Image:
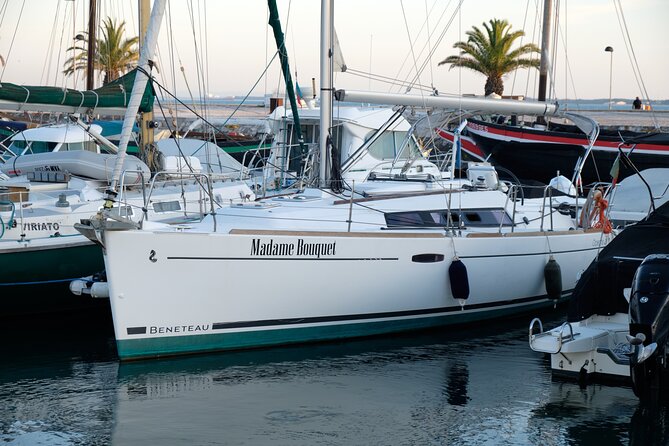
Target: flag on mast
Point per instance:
(615, 171)
(298, 92)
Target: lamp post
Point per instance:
(609, 49)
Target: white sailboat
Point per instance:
(322, 265)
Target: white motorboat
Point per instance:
(68, 148)
(597, 346)
(596, 342)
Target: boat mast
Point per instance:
(545, 50)
(327, 16)
(92, 40)
(147, 52)
(279, 38)
(146, 118)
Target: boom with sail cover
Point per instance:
(112, 98)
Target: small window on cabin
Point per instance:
(486, 217)
(404, 219)
(17, 146)
(473, 217)
(384, 146)
(70, 146)
(406, 147)
(90, 146)
(439, 218)
(42, 147)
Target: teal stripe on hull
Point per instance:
(130, 349)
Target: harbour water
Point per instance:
(61, 384)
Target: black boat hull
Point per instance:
(540, 154)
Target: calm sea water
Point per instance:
(60, 384)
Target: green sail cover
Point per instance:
(115, 94)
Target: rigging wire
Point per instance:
(429, 44)
(3, 11)
(49, 52)
(60, 45)
(266, 51)
(174, 110)
(441, 37)
(204, 119)
(632, 56)
(413, 54)
(569, 75)
(397, 75)
(434, 48)
(411, 47)
(522, 38)
(553, 66)
(565, 39)
(11, 45)
(386, 80)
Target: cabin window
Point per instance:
(90, 146)
(411, 149)
(166, 206)
(42, 146)
(440, 218)
(384, 146)
(17, 146)
(70, 146)
(473, 216)
(389, 144)
(404, 219)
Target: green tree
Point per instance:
(490, 53)
(115, 55)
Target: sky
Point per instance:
(233, 44)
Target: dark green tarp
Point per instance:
(115, 94)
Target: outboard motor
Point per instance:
(649, 325)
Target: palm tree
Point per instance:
(114, 56)
(490, 53)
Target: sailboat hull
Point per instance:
(35, 280)
(248, 290)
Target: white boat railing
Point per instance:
(202, 180)
(560, 339)
(548, 192)
(197, 177)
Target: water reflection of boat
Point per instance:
(571, 414)
(476, 386)
(416, 388)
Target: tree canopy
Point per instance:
(489, 52)
(114, 54)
